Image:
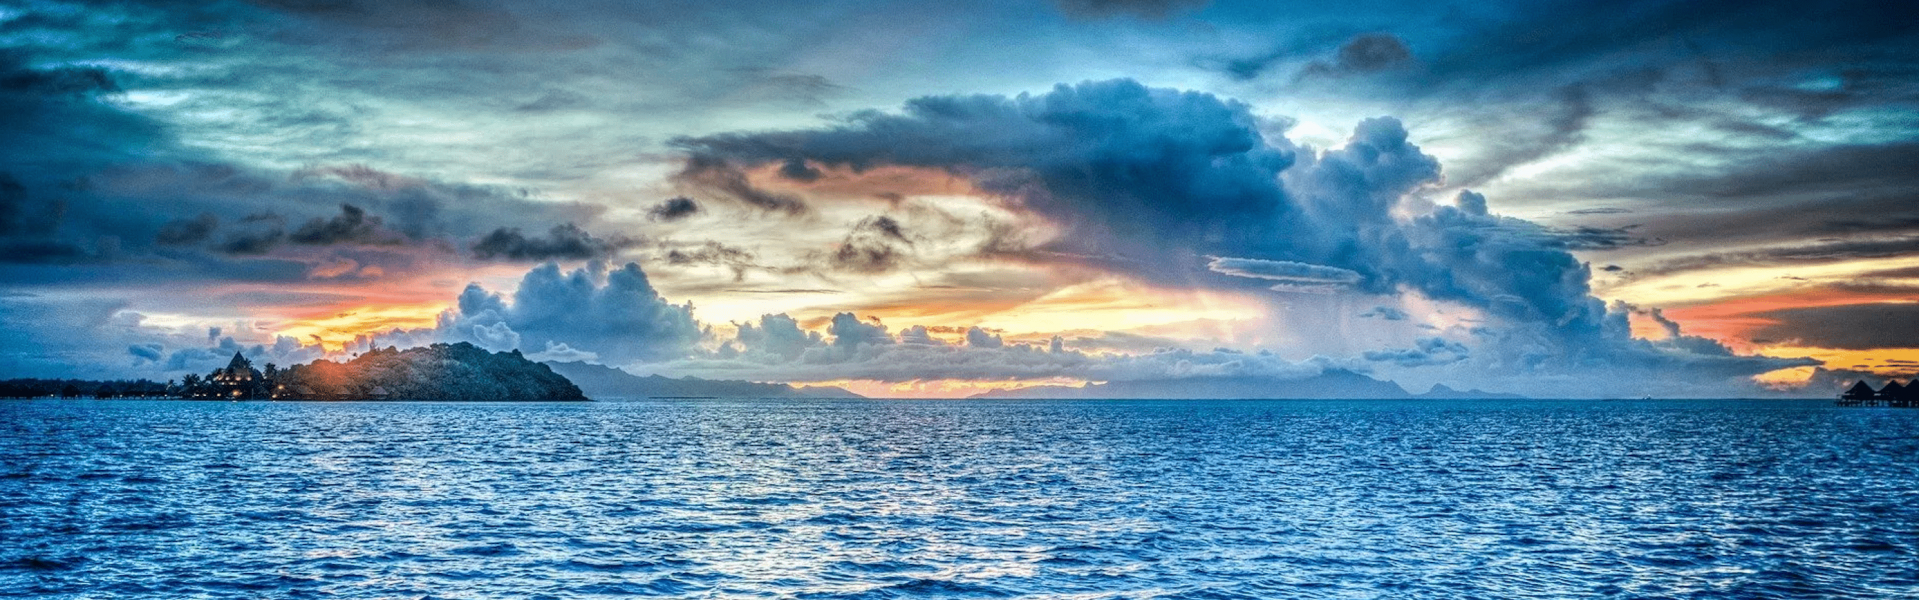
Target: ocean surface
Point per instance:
(958, 499)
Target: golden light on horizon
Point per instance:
(936, 388)
(334, 330)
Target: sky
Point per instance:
(926, 199)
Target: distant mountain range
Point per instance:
(1330, 385)
(599, 381)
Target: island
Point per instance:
(457, 372)
(604, 381)
(1333, 384)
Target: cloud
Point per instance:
(615, 315)
(563, 242)
(1364, 53)
(777, 336)
(1131, 171)
(1851, 326)
(980, 338)
(1292, 276)
(146, 352)
(1559, 127)
(1425, 352)
(715, 174)
(861, 349)
(351, 226)
(673, 209)
(918, 334)
(1144, 9)
(106, 186)
(711, 252)
(848, 331)
(1387, 313)
(183, 232)
(871, 246)
(556, 352)
(1158, 184)
(1799, 254)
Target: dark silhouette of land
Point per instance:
(82, 388)
(603, 381)
(458, 372)
(1330, 385)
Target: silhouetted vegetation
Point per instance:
(81, 388)
(460, 371)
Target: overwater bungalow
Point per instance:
(1893, 395)
(238, 381)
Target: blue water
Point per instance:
(962, 499)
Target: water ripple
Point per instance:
(1021, 499)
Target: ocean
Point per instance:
(815, 499)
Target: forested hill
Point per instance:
(461, 372)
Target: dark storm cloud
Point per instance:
(872, 246)
(182, 232)
(1554, 36)
(714, 253)
(351, 226)
(13, 200)
(1784, 199)
(1905, 273)
(1851, 169)
(1806, 254)
(262, 233)
(865, 256)
(1531, 78)
(1165, 166)
(75, 83)
(673, 209)
(47, 252)
(1152, 182)
(1850, 327)
(146, 352)
(1364, 53)
(106, 185)
(564, 242)
(253, 243)
(885, 226)
(715, 174)
(1600, 238)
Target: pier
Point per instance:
(1893, 395)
